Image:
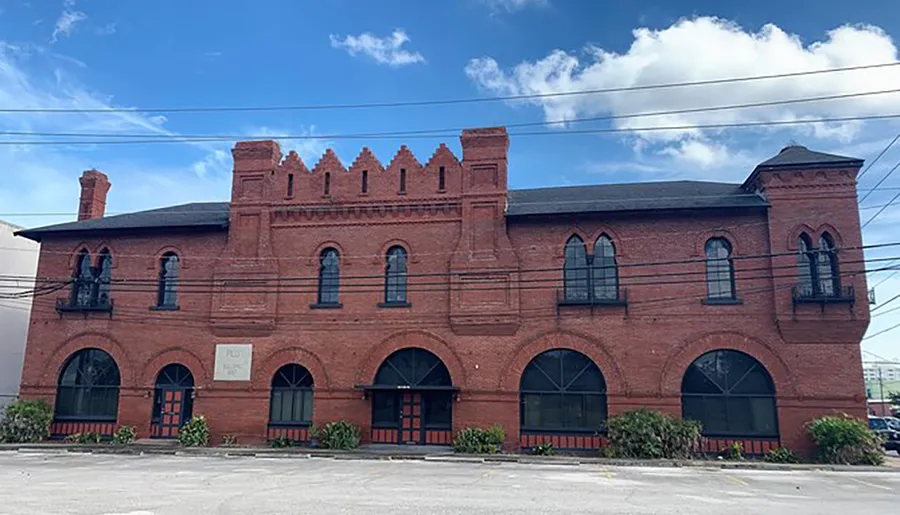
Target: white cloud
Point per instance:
(67, 21)
(387, 50)
(513, 5)
(107, 30)
(700, 49)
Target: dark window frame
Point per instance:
(167, 288)
(364, 185)
(290, 185)
(292, 383)
(819, 274)
(87, 388)
(328, 291)
(586, 277)
(720, 280)
(442, 179)
(402, 189)
(395, 277)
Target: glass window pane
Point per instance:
(575, 270)
(438, 407)
(385, 408)
(573, 416)
(307, 411)
(595, 411)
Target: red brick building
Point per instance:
(416, 299)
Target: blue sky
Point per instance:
(88, 53)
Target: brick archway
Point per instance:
(590, 347)
(172, 355)
(418, 339)
(306, 359)
(53, 365)
(694, 347)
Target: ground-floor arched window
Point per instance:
(88, 387)
(291, 402)
(564, 391)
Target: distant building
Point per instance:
(18, 263)
(889, 372)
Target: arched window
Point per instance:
(562, 390)
(329, 277)
(104, 279)
(88, 387)
(605, 272)
(576, 271)
(395, 276)
(806, 266)
(292, 396)
(166, 296)
(827, 266)
(731, 394)
(719, 270)
(82, 280)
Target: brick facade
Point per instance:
(486, 321)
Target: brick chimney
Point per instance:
(94, 187)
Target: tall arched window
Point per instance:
(731, 394)
(395, 276)
(576, 271)
(166, 295)
(291, 402)
(104, 278)
(827, 266)
(562, 390)
(605, 273)
(82, 280)
(806, 266)
(88, 387)
(719, 270)
(329, 277)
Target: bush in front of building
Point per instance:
(845, 440)
(280, 442)
(85, 438)
(195, 433)
(733, 452)
(781, 455)
(340, 435)
(475, 440)
(26, 421)
(124, 435)
(646, 434)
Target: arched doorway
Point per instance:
(173, 401)
(412, 400)
(562, 401)
(732, 395)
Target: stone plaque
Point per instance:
(233, 362)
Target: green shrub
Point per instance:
(195, 433)
(842, 439)
(645, 434)
(544, 449)
(124, 435)
(474, 440)
(339, 435)
(85, 438)
(734, 452)
(280, 442)
(781, 455)
(26, 421)
(229, 440)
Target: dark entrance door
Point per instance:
(172, 401)
(411, 427)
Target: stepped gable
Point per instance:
(293, 162)
(442, 156)
(329, 162)
(404, 158)
(366, 160)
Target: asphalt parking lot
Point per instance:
(45, 483)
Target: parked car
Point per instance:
(891, 436)
(893, 423)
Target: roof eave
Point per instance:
(38, 234)
(854, 163)
(644, 210)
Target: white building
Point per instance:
(18, 259)
(888, 372)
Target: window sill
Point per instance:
(326, 305)
(595, 302)
(722, 302)
(165, 308)
(394, 305)
(290, 424)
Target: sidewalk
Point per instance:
(396, 453)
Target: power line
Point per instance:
(883, 304)
(885, 312)
(872, 163)
(459, 129)
(565, 132)
(873, 217)
(880, 182)
(455, 101)
(891, 328)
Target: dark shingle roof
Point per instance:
(542, 201)
(185, 216)
(643, 196)
(797, 155)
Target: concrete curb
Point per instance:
(303, 453)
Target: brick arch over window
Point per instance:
(618, 242)
(828, 228)
(262, 376)
(411, 257)
(589, 346)
(420, 339)
(53, 365)
(694, 347)
(699, 249)
(178, 355)
(795, 235)
(313, 259)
